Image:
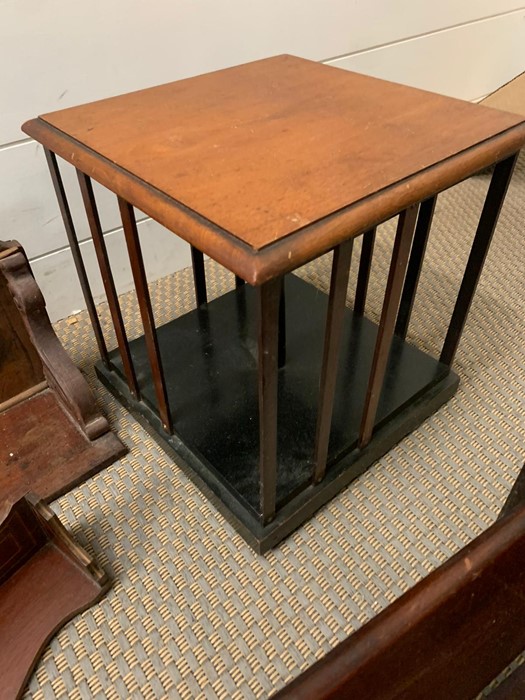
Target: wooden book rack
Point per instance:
(45, 579)
(52, 436)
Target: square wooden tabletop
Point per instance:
(268, 164)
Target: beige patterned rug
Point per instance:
(193, 612)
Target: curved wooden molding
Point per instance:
(60, 372)
(52, 435)
(46, 578)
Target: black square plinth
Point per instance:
(210, 360)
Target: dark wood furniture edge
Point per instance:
(60, 372)
(257, 267)
(449, 636)
(56, 532)
(512, 687)
(33, 526)
(516, 496)
(52, 434)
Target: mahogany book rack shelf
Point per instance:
(275, 396)
(52, 434)
(46, 578)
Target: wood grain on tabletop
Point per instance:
(266, 148)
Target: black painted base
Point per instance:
(209, 359)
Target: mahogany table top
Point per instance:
(269, 164)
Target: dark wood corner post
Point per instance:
(486, 227)
(268, 305)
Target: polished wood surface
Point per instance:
(45, 579)
(20, 365)
(246, 158)
(448, 637)
(268, 147)
(42, 448)
(52, 435)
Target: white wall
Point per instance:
(59, 53)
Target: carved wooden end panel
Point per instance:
(45, 579)
(52, 435)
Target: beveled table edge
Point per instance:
(304, 244)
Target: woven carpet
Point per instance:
(193, 612)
